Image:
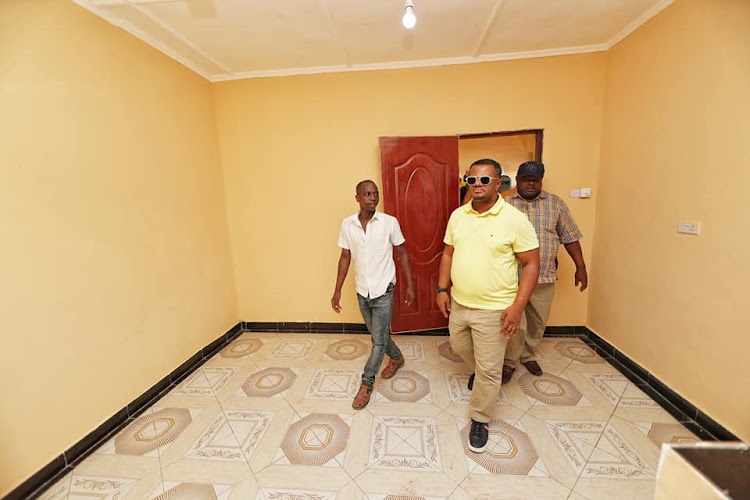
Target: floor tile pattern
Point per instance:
(269, 418)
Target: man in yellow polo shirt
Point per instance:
(484, 242)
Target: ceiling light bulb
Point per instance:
(409, 20)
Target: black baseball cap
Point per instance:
(532, 168)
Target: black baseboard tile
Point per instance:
(186, 368)
(665, 403)
(37, 483)
(561, 331)
(638, 381)
(316, 327)
(92, 440)
(632, 365)
(699, 431)
(681, 403)
(596, 348)
(214, 347)
(233, 334)
(355, 328)
(294, 327)
(139, 404)
(715, 428)
(606, 346)
(433, 332)
(261, 326)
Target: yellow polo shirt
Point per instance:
(484, 271)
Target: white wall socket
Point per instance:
(585, 192)
(575, 193)
(689, 227)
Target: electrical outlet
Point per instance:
(585, 192)
(689, 227)
(575, 193)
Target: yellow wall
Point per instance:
(293, 149)
(675, 146)
(115, 256)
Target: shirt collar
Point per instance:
(355, 218)
(542, 196)
(469, 209)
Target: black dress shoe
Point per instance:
(533, 367)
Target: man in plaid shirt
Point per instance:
(554, 225)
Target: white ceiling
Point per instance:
(232, 39)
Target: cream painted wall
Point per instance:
(675, 147)
(115, 263)
(293, 149)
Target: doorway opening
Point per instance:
(510, 149)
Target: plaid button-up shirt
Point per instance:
(551, 218)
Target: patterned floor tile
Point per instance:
(447, 352)
(105, 488)
(611, 385)
(616, 458)
(405, 386)
(633, 397)
(665, 433)
(347, 349)
(509, 452)
(550, 389)
(150, 432)
(292, 349)
(291, 494)
(578, 351)
(315, 439)
(412, 350)
(333, 384)
(232, 436)
(171, 490)
(577, 440)
(458, 388)
(404, 443)
(241, 348)
(269, 382)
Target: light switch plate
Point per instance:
(689, 227)
(575, 193)
(585, 192)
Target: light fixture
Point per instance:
(410, 19)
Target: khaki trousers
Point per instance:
(521, 347)
(475, 336)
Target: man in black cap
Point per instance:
(554, 225)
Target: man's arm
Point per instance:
(511, 317)
(344, 260)
(576, 253)
(444, 277)
(403, 259)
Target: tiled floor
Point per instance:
(270, 418)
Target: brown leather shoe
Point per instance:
(392, 367)
(507, 373)
(533, 367)
(362, 397)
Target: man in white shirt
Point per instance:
(369, 238)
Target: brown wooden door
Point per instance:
(420, 188)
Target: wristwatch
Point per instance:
(440, 290)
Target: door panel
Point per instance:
(420, 188)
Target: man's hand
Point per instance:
(335, 301)
(410, 295)
(511, 319)
(444, 303)
(582, 278)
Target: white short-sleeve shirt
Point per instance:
(372, 251)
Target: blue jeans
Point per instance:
(377, 315)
